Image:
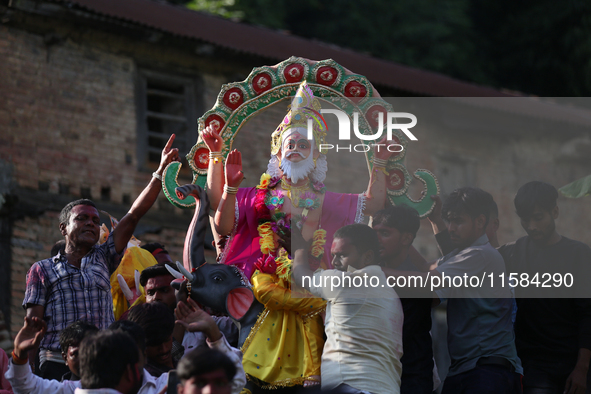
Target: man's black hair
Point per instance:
(203, 360)
(133, 329)
(154, 271)
(65, 213)
(156, 319)
(361, 236)
(535, 194)
(151, 247)
(75, 333)
(401, 217)
(470, 200)
(104, 358)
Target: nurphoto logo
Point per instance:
(345, 131)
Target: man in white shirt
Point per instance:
(363, 316)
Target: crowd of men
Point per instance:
(501, 338)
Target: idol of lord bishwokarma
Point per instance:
(285, 345)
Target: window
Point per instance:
(166, 104)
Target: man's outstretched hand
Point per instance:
(169, 154)
(194, 319)
(29, 337)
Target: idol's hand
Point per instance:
(234, 174)
(435, 215)
(381, 151)
(212, 139)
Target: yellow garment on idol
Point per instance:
(135, 258)
(285, 345)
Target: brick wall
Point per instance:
(68, 121)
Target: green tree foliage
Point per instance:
(537, 46)
(540, 47)
(434, 35)
(221, 8)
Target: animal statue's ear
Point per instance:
(238, 302)
(181, 286)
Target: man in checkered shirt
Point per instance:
(75, 284)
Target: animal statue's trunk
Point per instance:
(194, 249)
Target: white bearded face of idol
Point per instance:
(298, 158)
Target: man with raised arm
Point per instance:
(74, 284)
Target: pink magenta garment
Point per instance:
(243, 248)
(5, 387)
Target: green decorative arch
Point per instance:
(266, 86)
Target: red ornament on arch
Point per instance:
(293, 73)
(233, 98)
(261, 83)
(373, 113)
(355, 89)
(327, 75)
(216, 121)
(396, 179)
(201, 158)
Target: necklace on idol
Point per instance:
(268, 203)
(305, 196)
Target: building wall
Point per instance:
(68, 121)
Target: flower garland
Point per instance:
(318, 241)
(266, 200)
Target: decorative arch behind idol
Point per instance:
(239, 102)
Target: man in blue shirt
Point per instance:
(480, 332)
(480, 336)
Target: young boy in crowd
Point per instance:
(70, 340)
(205, 370)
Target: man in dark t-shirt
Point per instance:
(396, 228)
(553, 324)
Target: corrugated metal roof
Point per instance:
(280, 46)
